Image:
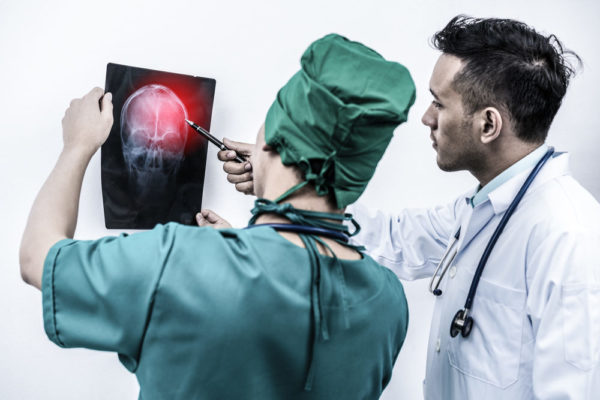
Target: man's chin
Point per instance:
(447, 166)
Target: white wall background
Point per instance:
(53, 51)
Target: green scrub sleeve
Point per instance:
(98, 294)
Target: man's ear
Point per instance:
(490, 124)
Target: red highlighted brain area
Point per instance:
(153, 124)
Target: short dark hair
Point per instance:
(508, 64)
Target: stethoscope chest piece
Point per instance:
(461, 323)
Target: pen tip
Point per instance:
(188, 121)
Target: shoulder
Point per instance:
(190, 232)
(223, 245)
(562, 217)
(558, 202)
(563, 206)
(390, 280)
(391, 303)
(563, 220)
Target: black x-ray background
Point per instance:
(181, 199)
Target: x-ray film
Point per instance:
(153, 163)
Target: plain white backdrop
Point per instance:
(53, 51)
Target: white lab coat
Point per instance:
(536, 312)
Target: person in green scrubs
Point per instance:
(254, 313)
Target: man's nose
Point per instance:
(429, 118)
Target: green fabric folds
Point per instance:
(329, 221)
(336, 116)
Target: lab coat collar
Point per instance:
(527, 162)
(474, 219)
(501, 197)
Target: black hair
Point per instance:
(508, 65)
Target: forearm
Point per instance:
(53, 215)
(410, 243)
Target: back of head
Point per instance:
(508, 65)
(336, 116)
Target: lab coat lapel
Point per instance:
(475, 221)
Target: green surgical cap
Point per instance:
(336, 116)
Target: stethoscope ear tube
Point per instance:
(461, 321)
(434, 284)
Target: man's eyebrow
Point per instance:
(433, 93)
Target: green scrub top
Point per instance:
(199, 313)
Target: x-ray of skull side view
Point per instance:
(153, 164)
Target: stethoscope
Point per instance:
(462, 322)
(305, 229)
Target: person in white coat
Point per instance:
(535, 328)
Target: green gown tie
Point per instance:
(321, 220)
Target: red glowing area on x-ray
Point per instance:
(153, 119)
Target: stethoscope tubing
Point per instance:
(462, 322)
(434, 284)
(305, 229)
(510, 210)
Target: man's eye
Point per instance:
(436, 104)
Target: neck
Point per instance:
(279, 179)
(305, 199)
(500, 159)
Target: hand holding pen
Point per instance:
(213, 139)
(236, 158)
(239, 174)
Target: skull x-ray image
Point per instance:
(153, 135)
(152, 163)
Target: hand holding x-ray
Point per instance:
(87, 123)
(210, 218)
(238, 174)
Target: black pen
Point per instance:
(213, 140)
